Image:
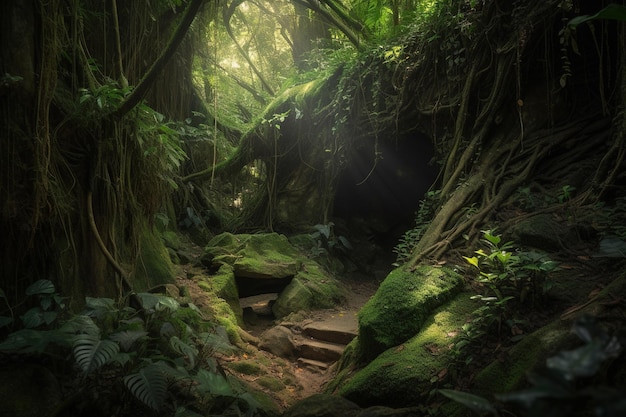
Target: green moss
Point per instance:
(189, 317)
(325, 289)
(153, 266)
(171, 239)
(267, 255)
(401, 375)
(222, 312)
(224, 244)
(398, 309)
(271, 383)
(304, 242)
(246, 367)
(530, 353)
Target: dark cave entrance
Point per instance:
(380, 189)
(256, 297)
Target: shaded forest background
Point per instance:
(417, 124)
(122, 118)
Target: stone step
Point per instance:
(318, 350)
(338, 332)
(313, 365)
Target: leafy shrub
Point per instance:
(571, 384)
(508, 275)
(423, 217)
(146, 351)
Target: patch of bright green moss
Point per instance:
(246, 367)
(401, 375)
(154, 266)
(271, 383)
(325, 289)
(403, 301)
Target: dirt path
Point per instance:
(285, 380)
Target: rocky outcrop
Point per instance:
(268, 263)
(401, 305)
(314, 344)
(402, 375)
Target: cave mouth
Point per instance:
(257, 295)
(381, 187)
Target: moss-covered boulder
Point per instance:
(154, 266)
(402, 375)
(267, 255)
(311, 288)
(223, 285)
(511, 372)
(262, 261)
(531, 353)
(399, 308)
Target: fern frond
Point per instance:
(91, 352)
(127, 338)
(213, 383)
(149, 385)
(184, 349)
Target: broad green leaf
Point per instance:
(184, 349)
(214, 383)
(91, 352)
(33, 318)
(472, 261)
(127, 338)
(494, 239)
(582, 362)
(149, 385)
(611, 12)
(42, 286)
(471, 401)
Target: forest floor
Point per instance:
(580, 278)
(292, 380)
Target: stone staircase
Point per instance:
(320, 343)
(315, 343)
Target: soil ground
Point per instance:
(286, 381)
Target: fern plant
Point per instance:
(150, 352)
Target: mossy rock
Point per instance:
(222, 312)
(224, 286)
(270, 255)
(267, 255)
(246, 367)
(401, 305)
(402, 375)
(311, 288)
(154, 266)
(511, 373)
(271, 383)
(171, 240)
(531, 353)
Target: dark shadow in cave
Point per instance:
(256, 297)
(378, 194)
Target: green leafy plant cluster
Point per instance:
(423, 217)
(328, 242)
(160, 352)
(507, 275)
(158, 139)
(574, 382)
(529, 200)
(510, 273)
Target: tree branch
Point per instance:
(148, 79)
